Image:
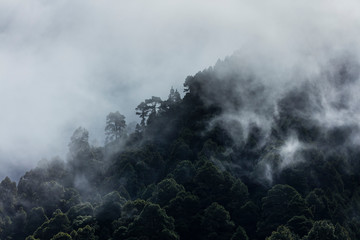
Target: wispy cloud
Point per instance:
(65, 63)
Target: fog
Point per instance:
(65, 64)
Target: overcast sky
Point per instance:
(66, 63)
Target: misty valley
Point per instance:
(240, 156)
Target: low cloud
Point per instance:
(65, 64)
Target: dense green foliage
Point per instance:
(182, 175)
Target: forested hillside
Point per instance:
(237, 157)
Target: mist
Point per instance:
(65, 64)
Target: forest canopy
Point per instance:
(234, 158)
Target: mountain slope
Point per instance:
(238, 157)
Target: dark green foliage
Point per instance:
(135, 169)
(319, 204)
(180, 151)
(216, 223)
(152, 223)
(282, 233)
(238, 195)
(184, 172)
(184, 208)
(8, 192)
(166, 190)
(35, 218)
(110, 209)
(296, 178)
(58, 223)
(71, 198)
(240, 234)
(354, 229)
(133, 208)
(81, 221)
(61, 236)
(279, 206)
(247, 216)
(18, 224)
(31, 238)
(83, 209)
(193, 169)
(324, 230)
(85, 233)
(341, 233)
(209, 181)
(300, 225)
(50, 195)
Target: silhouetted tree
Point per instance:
(115, 126)
(143, 111)
(79, 144)
(173, 98)
(147, 110)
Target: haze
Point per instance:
(65, 64)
